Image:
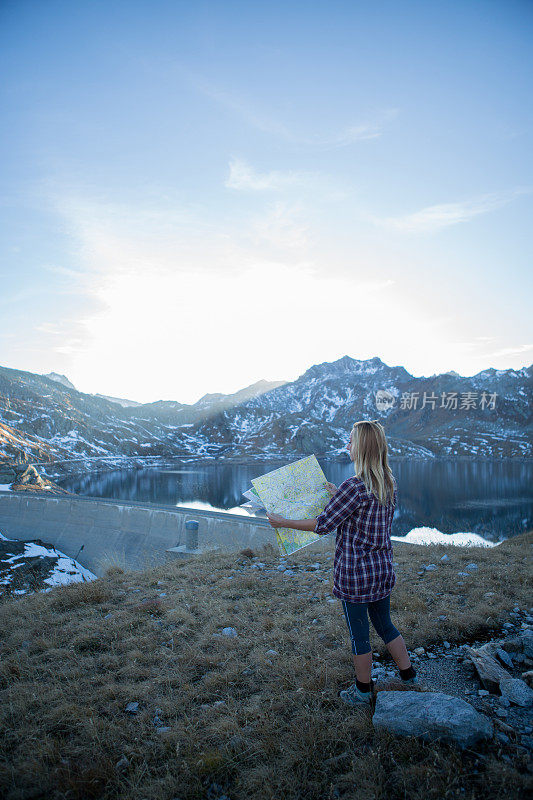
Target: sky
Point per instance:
(199, 195)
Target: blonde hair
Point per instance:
(369, 451)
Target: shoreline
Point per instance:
(132, 462)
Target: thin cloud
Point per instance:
(243, 177)
(512, 351)
(281, 226)
(369, 128)
(434, 218)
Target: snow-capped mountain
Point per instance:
(486, 415)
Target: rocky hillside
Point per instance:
(44, 420)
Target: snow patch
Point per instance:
(433, 536)
(65, 570)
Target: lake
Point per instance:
(491, 498)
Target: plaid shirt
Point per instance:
(362, 570)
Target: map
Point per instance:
(296, 491)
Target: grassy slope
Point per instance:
(67, 674)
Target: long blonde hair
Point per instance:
(369, 452)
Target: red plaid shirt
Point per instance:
(362, 570)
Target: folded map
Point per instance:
(295, 491)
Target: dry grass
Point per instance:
(67, 673)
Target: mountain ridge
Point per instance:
(42, 419)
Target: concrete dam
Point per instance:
(129, 533)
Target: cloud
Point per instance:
(281, 226)
(434, 218)
(361, 130)
(242, 176)
(512, 351)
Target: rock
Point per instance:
(430, 567)
(462, 574)
(122, 764)
(483, 692)
(489, 671)
(132, 708)
(229, 632)
(431, 716)
(502, 656)
(527, 643)
(528, 677)
(517, 692)
(504, 726)
(445, 557)
(488, 594)
(272, 653)
(446, 644)
(419, 651)
(513, 645)
(471, 566)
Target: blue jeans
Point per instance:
(357, 620)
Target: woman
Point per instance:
(361, 510)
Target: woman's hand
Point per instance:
(276, 521)
(332, 489)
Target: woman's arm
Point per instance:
(298, 524)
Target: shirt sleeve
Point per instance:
(342, 505)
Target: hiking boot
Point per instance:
(355, 697)
(410, 681)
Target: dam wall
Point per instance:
(131, 534)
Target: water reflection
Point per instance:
(491, 498)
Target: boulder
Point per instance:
(517, 692)
(527, 643)
(489, 671)
(528, 677)
(431, 716)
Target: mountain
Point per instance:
(43, 420)
(119, 400)
(60, 379)
(485, 415)
(315, 413)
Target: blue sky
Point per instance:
(199, 195)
